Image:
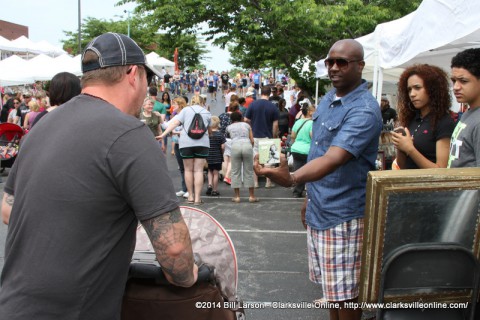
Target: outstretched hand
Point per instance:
(279, 175)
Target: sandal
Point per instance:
(252, 200)
(198, 203)
(190, 201)
(236, 200)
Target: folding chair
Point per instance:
(429, 270)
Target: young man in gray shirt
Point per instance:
(465, 142)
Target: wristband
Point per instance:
(294, 179)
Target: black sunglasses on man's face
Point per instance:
(340, 62)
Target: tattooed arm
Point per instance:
(173, 247)
(7, 204)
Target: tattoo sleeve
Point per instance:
(171, 240)
(7, 204)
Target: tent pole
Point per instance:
(380, 85)
(316, 93)
(375, 75)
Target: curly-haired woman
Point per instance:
(423, 108)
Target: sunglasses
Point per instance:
(340, 62)
(148, 72)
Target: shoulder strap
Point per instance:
(298, 131)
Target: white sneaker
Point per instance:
(185, 195)
(180, 193)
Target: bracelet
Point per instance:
(294, 179)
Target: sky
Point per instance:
(47, 19)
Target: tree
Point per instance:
(274, 33)
(146, 35)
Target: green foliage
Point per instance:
(145, 34)
(273, 33)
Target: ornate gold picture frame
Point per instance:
(415, 206)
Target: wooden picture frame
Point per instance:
(415, 206)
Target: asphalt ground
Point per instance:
(270, 243)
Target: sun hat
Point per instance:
(249, 93)
(115, 49)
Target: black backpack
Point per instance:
(197, 128)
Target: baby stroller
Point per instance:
(149, 296)
(10, 135)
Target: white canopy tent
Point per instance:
(17, 71)
(14, 71)
(160, 62)
(25, 45)
(6, 44)
(432, 34)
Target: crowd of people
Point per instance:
(187, 81)
(98, 189)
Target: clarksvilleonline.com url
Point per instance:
(328, 305)
(407, 305)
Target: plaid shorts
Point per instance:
(334, 258)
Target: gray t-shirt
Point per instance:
(465, 142)
(239, 132)
(83, 177)
(185, 117)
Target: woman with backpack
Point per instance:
(194, 144)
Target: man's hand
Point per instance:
(279, 175)
(303, 211)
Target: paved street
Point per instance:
(270, 243)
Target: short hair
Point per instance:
(196, 100)
(33, 106)
(233, 106)
(148, 99)
(63, 87)
(469, 60)
(236, 116)
(241, 100)
(180, 101)
(266, 90)
(40, 94)
(214, 122)
(152, 91)
(109, 75)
